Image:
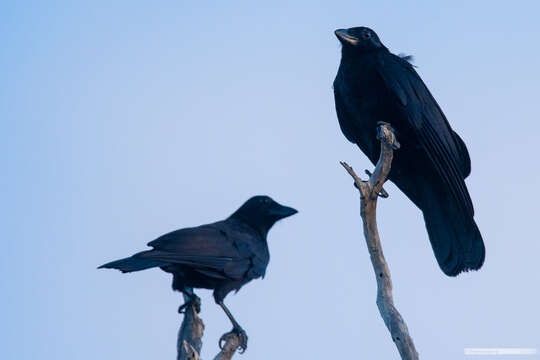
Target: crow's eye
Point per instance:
(266, 200)
(366, 35)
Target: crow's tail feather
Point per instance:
(455, 238)
(131, 264)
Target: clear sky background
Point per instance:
(120, 121)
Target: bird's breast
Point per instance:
(360, 88)
(360, 98)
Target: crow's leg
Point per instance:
(237, 329)
(190, 300)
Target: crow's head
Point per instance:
(262, 212)
(359, 39)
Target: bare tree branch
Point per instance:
(370, 190)
(190, 335)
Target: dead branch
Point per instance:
(190, 335)
(370, 190)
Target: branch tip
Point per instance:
(357, 180)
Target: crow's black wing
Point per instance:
(445, 201)
(445, 150)
(210, 248)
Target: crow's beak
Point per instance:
(344, 37)
(283, 211)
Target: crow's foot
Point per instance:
(379, 123)
(395, 144)
(381, 193)
(242, 339)
(194, 301)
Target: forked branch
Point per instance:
(370, 190)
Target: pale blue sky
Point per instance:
(123, 121)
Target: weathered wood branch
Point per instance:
(370, 190)
(189, 342)
(190, 335)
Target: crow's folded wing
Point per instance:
(209, 249)
(424, 118)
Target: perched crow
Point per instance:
(222, 256)
(373, 85)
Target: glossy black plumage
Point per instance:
(222, 256)
(373, 85)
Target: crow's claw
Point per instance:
(381, 193)
(182, 308)
(242, 339)
(195, 301)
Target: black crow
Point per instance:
(222, 256)
(373, 85)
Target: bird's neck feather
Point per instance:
(351, 54)
(261, 226)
